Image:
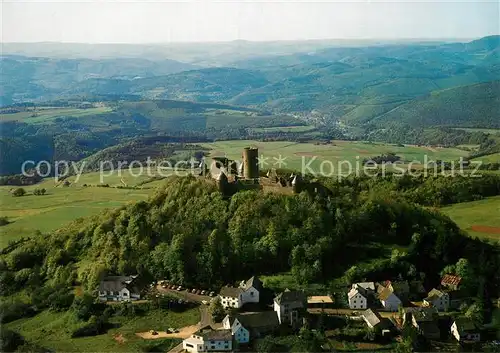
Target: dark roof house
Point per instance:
(289, 296)
(232, 292)
(257, 323)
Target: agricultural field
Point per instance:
(53, 330)
(62, 204)
(299, 128)
(490, 158)
(478, 218)
(298, 154)
(48, 114)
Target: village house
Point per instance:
(401, 289)
(424, 320)
(320, 301)
(207, 339)
(437, 299)
(250, 325)
(290, 306)
(374, 320)
(357, 298)
(236, 297)
(451, 282)
(119, 288)
(464, 330)
(389, 300)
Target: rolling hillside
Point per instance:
(467, 106)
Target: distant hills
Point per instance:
(322, 83)
(466, 106)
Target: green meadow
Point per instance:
(59, 206)
(478, 218)
(53, 330)
(298, 154)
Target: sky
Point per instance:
(161, 21)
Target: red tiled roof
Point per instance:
(451, 280)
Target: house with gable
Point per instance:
(389, 300)
(207, 339)
(464, 329)
(437, 299)
(236, 297)
(247, 326)
(357, 298)
(424, 320)
(290, 307)
(120, 288)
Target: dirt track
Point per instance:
(184, 332)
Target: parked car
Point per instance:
(204, 302)
(193, 291)
(202, 292)
(198, 291)
(179, 288)
(211, 294)
(153, 332)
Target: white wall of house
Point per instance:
(198, 344)
(277, 309)
(287, 313)
(392, 303)
(240, 333)
(192, 345)
(250, 295)
(357, 301)
(230, 302)
(123, 294)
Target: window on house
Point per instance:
(212, 347)
(117, 293)
(189, 345)
(125, 294)
(251, 294)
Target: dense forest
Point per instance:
(191, 233)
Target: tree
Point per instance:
(19, 192)
(41, 191)
(216, 310)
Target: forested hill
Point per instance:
(190, 233)
(465, 106)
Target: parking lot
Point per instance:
(185, 293)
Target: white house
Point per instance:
(240, 333)
(437, 299)
(465, 330)
(389, 300)
(119, 288)
(209, 340)
(289, 306)
(236, 297)
(357, 298)
(247, 326)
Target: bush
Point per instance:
(13, 311)
(4, 221)
(41, 191)
(19, 192)
(96, 326)
(10, 340)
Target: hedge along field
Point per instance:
(297, 154)
(478, 218)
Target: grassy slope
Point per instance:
(336, 152)
(53, 330)
(60, 205)
(484, 212)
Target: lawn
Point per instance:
(478, 218)
(337, 154)
(489, 158)
(59, 206)
(53, 330)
